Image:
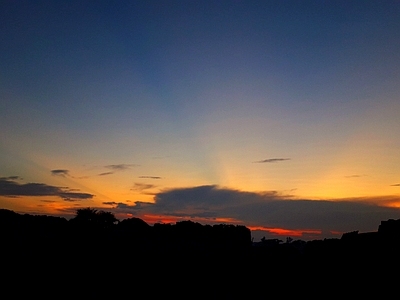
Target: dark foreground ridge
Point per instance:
(95, 245)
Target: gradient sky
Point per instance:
(282, 116)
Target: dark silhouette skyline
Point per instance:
(94, 228)
(94, 249)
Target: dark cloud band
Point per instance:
(268, 209)
(11, 188)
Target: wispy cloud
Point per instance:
(120, 167)
(106, 173)
(397, 184)
(11, 188)
(142, 187)
(271, 160)
(150, 177)
(126, 208)
(110, 203)
(117, 168)
(11, 178)
(60, 172)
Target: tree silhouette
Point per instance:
(92, 218)
(106, 219)
(85, 215)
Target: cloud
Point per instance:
(142, 186)
(69, 199)
(11, 188)
(120, 208)
(150, 177)
(11, 178)
(106, 173)
(271, 160)
(268, 209)
(116, 168)
(120, 167)
(138, 205)
(60, 172)
(110, 203)
(397, 184)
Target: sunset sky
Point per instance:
(282, 116)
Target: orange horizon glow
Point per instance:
(152, 219)
(286, 232)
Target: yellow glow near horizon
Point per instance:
(365, 165)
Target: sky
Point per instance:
(282, 116)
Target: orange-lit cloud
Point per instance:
(285, 232)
